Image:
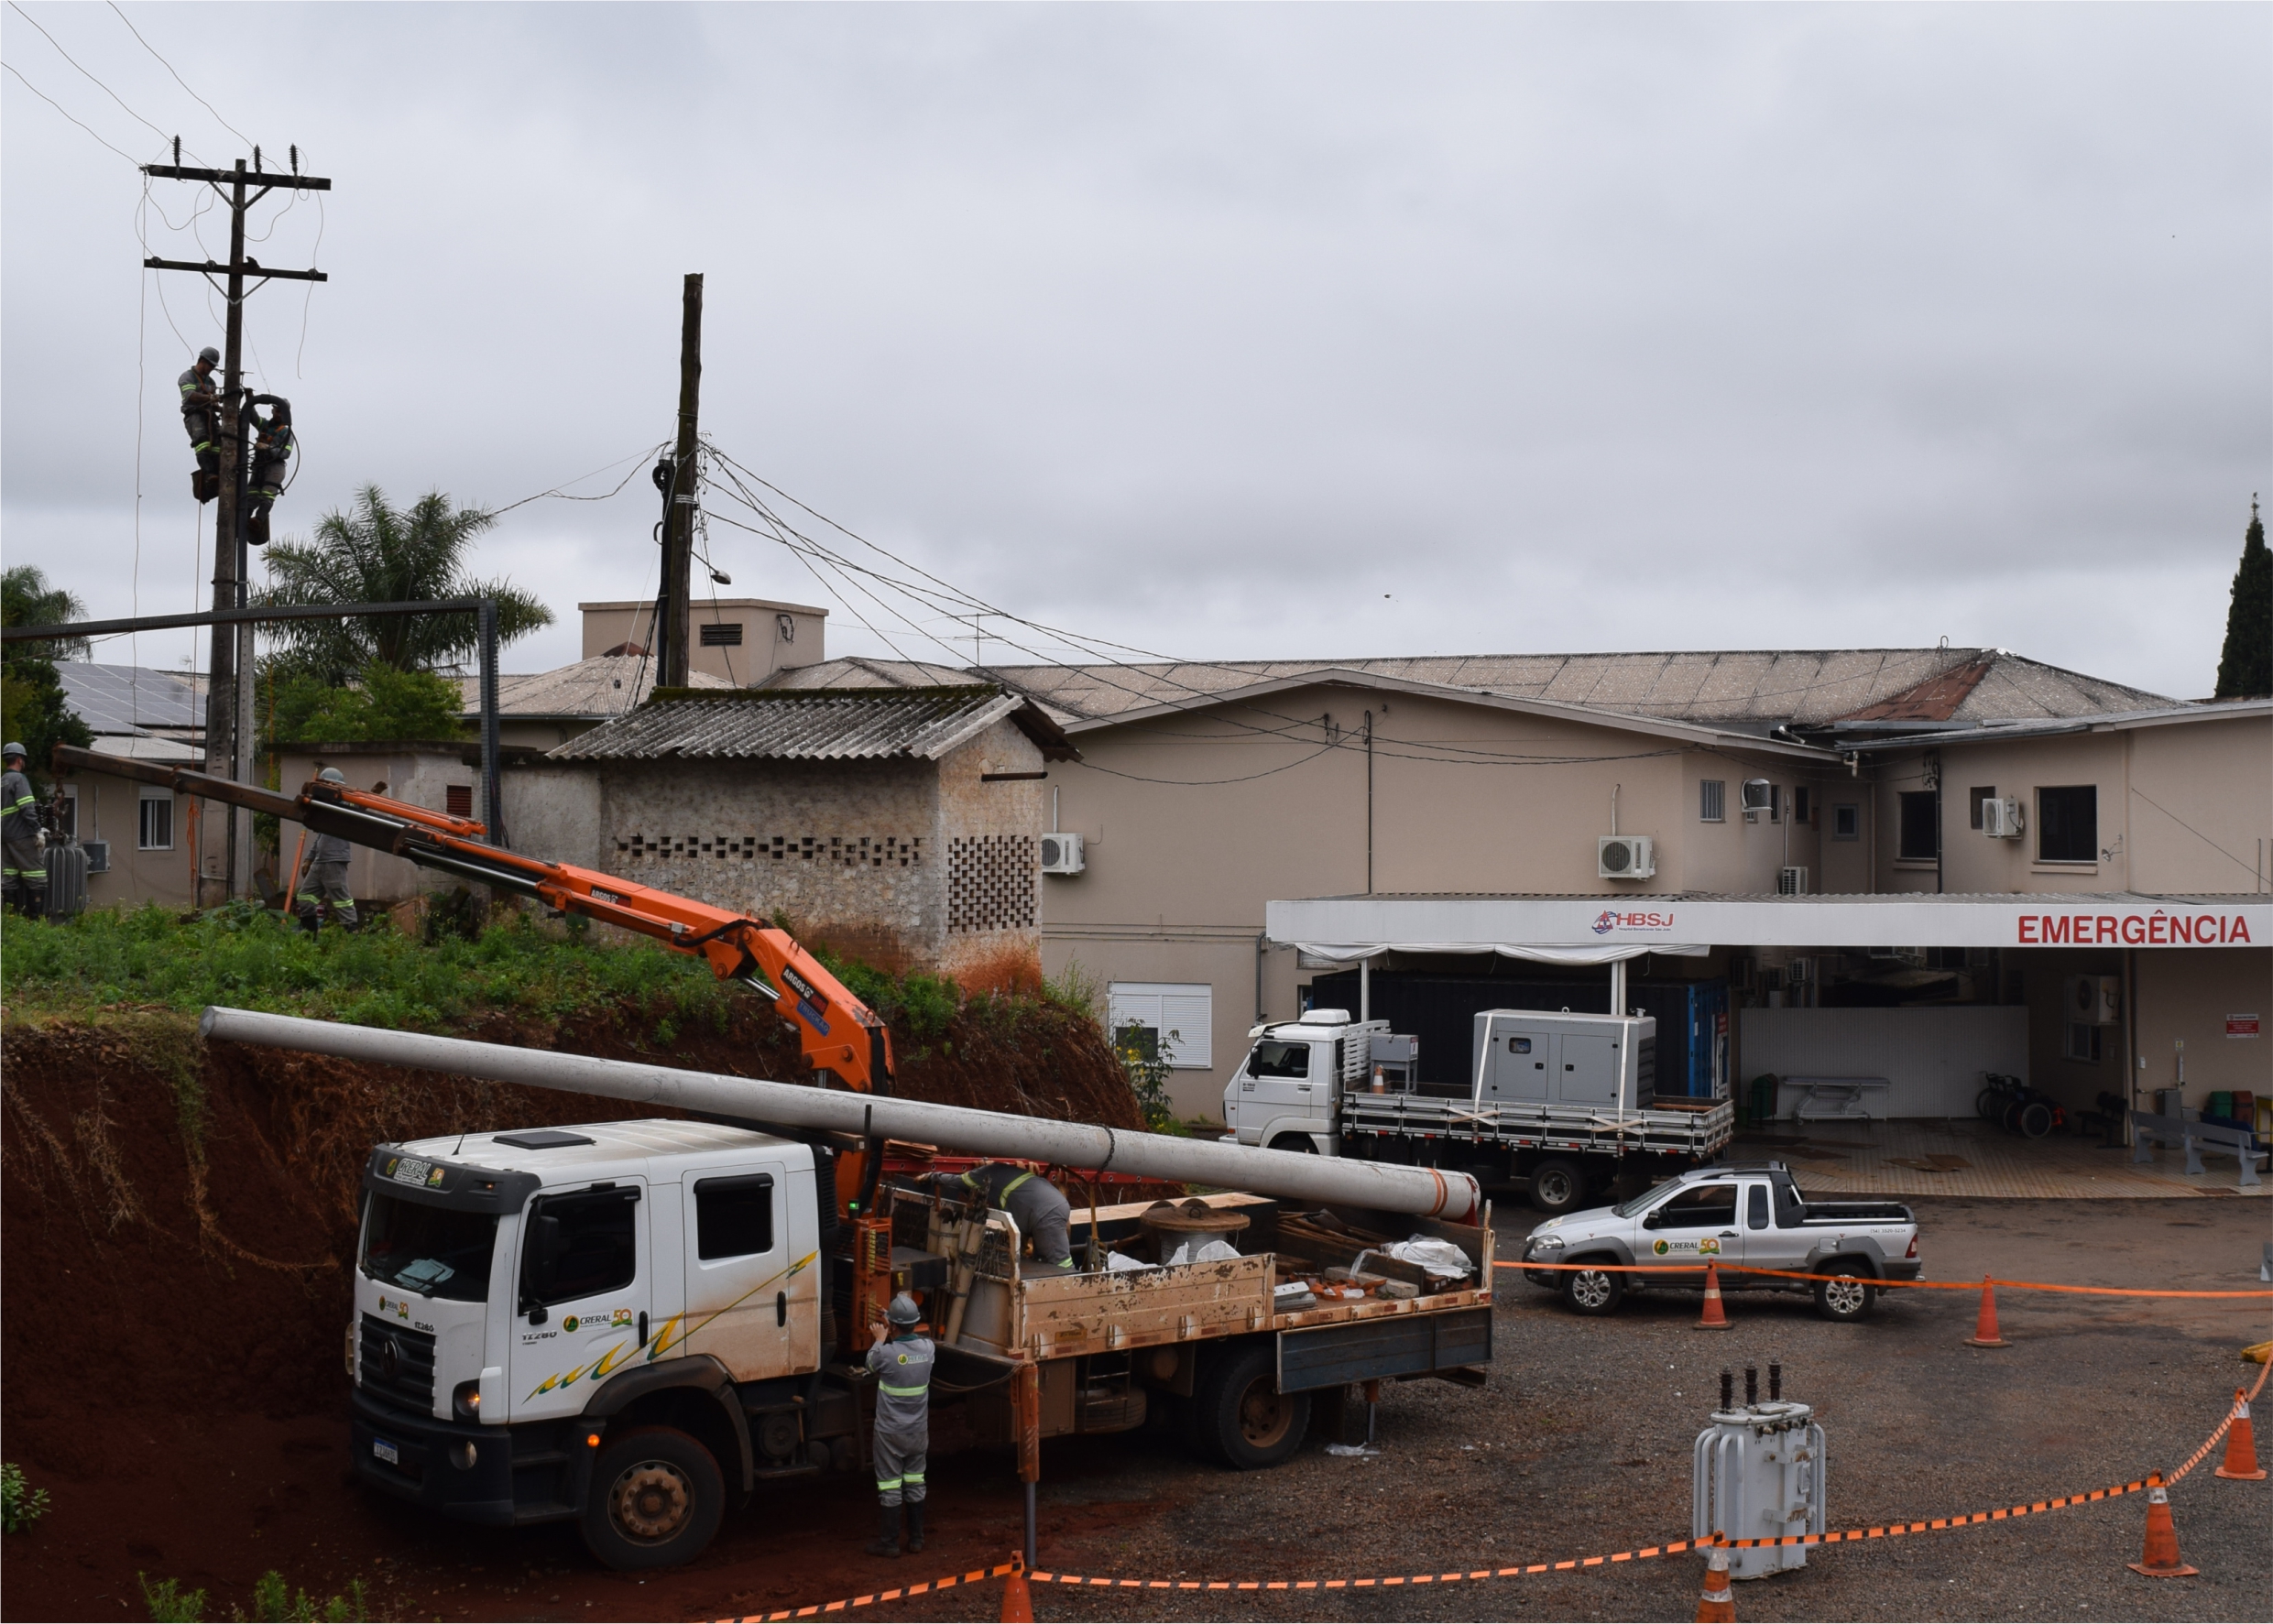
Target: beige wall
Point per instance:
(2201, 815)
(1193, 824)
(109, 809)
(418, 774)
(2185, 995)
(762, 651)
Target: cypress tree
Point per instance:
(2246, 668)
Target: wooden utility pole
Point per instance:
(229, 725)
(675, 624)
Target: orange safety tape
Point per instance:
(821, 1609)
(1849, 1536)
(1929, 1285)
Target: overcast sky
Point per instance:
(1225, 331)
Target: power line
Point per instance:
(90, 78)
(635, 458)
(51, 102)
(184, 83)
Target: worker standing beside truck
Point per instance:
(327, 876)
(27, 869)
(1038, 1207)
(902, 1360)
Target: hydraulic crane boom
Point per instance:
(839, 1034)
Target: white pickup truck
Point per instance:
(1554, 1103)
(1752, 1214)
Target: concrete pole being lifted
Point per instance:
(1424, 1191)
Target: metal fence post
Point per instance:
(493, 796)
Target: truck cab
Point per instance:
(1287, 1094)
(525, 1299)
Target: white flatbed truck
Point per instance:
(1555, 1103)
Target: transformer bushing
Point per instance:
(1759, 1474)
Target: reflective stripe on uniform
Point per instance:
(903, 1392)
(912, 1478)
(884, 1483)
(1014, 1183)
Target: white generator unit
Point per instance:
(1759, 1475)
(1624, 856)
(1061, 854)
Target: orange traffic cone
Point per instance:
(1714, 1604)
(2241, 1444)
(1018, 1604)
(1715, 1318)
(1985, 1328)
(2160, 1559)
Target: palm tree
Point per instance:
(378, 553)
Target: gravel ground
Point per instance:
(1581, 1447)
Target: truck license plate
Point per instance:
(385, 1452)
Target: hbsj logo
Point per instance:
(1605, 922)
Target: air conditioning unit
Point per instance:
(2095, 1000)
(98, 855)
(1061, 854)
(2001, 818)
(1791, 882)
(1759, 796)
(1626, 857)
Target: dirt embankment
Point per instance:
(178, 1223)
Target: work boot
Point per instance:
(915, 1526)
(887, 1539)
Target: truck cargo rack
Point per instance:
(1530, 1124)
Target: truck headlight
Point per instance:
(466, 1399)
(464, 1453)
(1543, 1244)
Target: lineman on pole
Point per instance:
(327, 876)
(271, 439)
(21, 864)
(903, 1363)
(1038, 1207)
(200, 416)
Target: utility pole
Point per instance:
(675, 624)
(229, 723)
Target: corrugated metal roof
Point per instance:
(852, 724)
(603, 685)
(1748, 690)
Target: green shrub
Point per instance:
(1147, 1066)
(21, 1505)
(274, 1602)
(170, 1604)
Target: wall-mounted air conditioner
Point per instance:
(98, 855)
(2001, 817)
(1624, 856)
(1061, 854)
(1759, 797)
(2095, 1000)
(1791, 882)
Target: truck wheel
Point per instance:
(1557, 1185)
(1849, 1297)
(1297, 1142)
(1240, 1417)
(655, 1502)
(1594, 1291)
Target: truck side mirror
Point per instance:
(543, 1264)
(1655, 1221)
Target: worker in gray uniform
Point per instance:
(21, 864)
(327, 875)
(1038, 1207)
(201, 416)
(271, 439)
(903, 1363)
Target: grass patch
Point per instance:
(154, 960)
(20, 1504)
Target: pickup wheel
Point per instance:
(1849, 1297)
(1240, 1416)
(1557, 1185)
(656, 1501)
(1594, 1291)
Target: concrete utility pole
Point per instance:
(229, 723)
(675, 624)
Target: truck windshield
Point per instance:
(1275, 1059)
(429, 1250)
(1628, 1209)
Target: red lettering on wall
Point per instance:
(2107, 927)
(2028, 928)
(2182, 929)
(2055, 928)
(2134, 929)
(2241, 930)
(2206, 929)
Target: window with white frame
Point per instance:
(1712, 801)
(1173, 1020)
(155, 833)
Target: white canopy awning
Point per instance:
(1558, 930)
